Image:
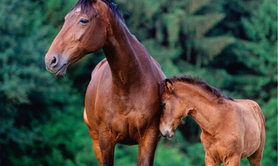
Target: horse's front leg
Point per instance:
(107, 147)
(95, 139)
(147, 146)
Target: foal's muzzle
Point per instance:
(167, 133)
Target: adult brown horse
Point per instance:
(231, 129)
(122, 103)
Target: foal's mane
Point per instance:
(193, 81)
(86, 6)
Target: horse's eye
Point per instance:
(163, 105)
(83, 21)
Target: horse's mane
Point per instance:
(86, 6)
(194, 81)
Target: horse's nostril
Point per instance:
(167, 134)
(53, 61)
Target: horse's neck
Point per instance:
(202, 119)
(202, 109)
(125, 55)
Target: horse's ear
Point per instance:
(93, 1)
(169, 85)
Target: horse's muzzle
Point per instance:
(55, 66)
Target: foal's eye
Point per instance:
(83, 21)
(162, 105)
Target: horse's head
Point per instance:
(84, 31)
(172, 109)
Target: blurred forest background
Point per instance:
(232, 44)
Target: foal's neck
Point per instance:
(125, 55)
(203, 108)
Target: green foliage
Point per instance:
(177, 25)
(252, 60)
(126, 155)
(54, 14)
(270, 150)
(179, 152)
(70, 142)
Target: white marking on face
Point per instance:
(78, 10)
(164, 128)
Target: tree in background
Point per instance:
(174, 31)
(251, 60)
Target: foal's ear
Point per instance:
(169, 85)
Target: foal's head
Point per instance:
(84, 31)
(179, 97)
(172, 108)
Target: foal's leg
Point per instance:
(210, 161)
(256, 158)
(147, 146)
(232, 161)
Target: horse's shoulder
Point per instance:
(98, 66)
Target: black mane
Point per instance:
(195, 81)
(86, 6)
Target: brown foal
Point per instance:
(231, 129)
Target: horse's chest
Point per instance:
(127, 122)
